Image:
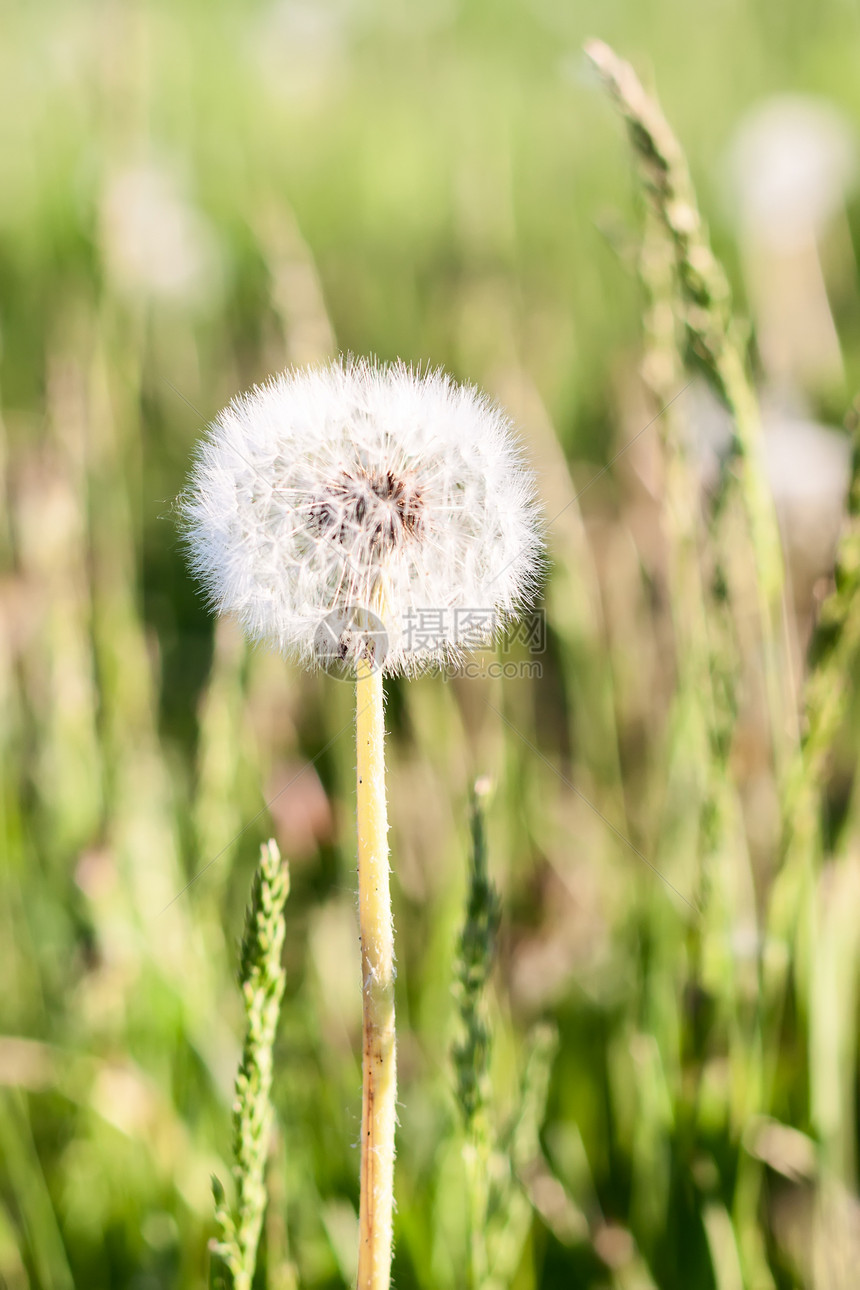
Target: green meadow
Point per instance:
(647, 1079)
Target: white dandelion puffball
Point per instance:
(357, 509)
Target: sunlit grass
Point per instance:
(435, 188)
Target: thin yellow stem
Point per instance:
(379, 1069)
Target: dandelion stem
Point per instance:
(379, 1071)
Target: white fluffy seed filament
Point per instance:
(376, 510)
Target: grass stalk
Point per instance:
(471, 1052)
(718, 340)
(262, 980)
(827, 695)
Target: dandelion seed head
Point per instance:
(369, 496)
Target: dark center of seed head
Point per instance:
(379, 506)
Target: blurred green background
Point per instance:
(192, 196)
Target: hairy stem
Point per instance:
(379, 1069)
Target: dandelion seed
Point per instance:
(360, 497)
